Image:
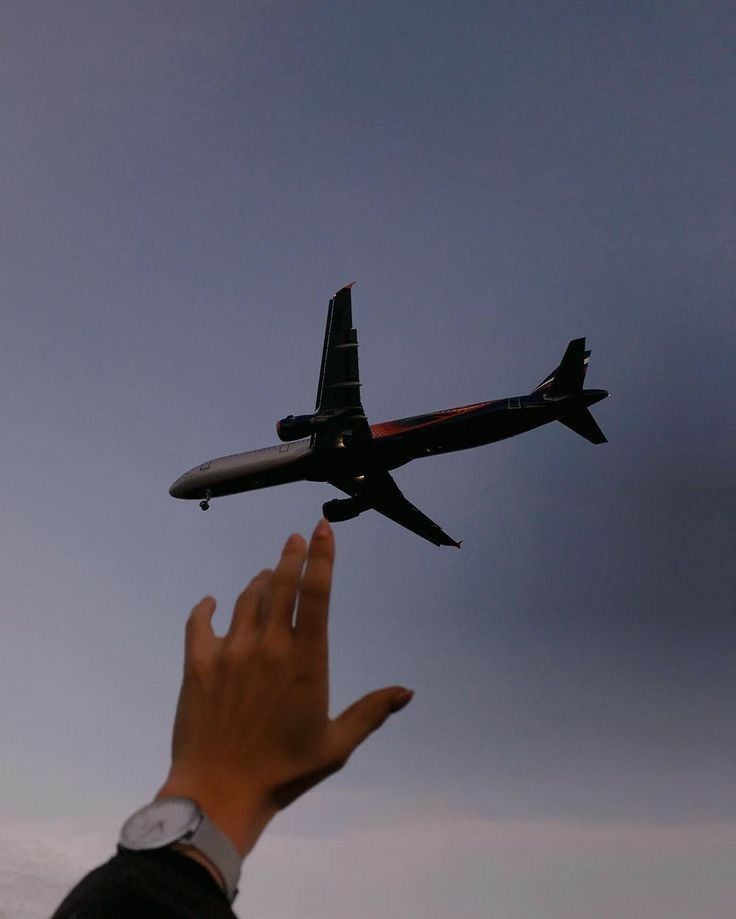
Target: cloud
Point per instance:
(431, 865)
(427, 867)
(38, 866)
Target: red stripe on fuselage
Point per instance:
(402, 425)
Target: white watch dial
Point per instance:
(160, 823)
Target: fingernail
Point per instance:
(322, 530)
(401, 700)
(293, 541)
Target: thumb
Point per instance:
(366, 715)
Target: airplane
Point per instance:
(336, 444)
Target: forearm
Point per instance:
(176, 881)
(160, 884)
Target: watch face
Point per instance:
(160, 823)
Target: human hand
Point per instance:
(252, 729)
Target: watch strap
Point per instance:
(215, 845)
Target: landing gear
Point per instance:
(205, 505)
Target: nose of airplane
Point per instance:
(178, 488)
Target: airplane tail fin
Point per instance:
(568, 378)
(584, 424)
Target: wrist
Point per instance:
(242, 819)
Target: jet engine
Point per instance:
(342, 509)
(296, 427)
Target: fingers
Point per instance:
(199, 627)
(268, 600)
(365, 716)
(314, 594)
(280, 594)
(246, 619)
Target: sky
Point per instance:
(183, 186)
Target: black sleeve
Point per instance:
(158, 884)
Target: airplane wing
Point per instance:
(379, 491)
(338, 392)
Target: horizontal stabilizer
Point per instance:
(584, 424)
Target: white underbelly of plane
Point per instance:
(257, 461)
(217, 473)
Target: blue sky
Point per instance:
(183, 187)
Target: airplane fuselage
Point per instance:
(393, 444)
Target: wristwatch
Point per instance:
(170, 820)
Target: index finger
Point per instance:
(314, 592)
(199, 635)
